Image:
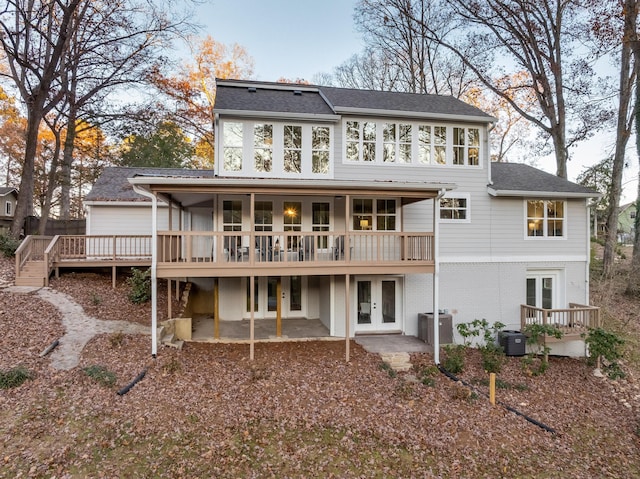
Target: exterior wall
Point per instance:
(124, 220)
(491, 291)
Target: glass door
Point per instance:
(377, 304)
(266, 296)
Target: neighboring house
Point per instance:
(8, 200)
(360, 209)
(626, 223)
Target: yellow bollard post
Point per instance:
(492, 388)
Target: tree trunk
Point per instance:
(623, 131)
(633, 285)
(67, 160)
(24, 206)
(51, 185)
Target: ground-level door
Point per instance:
(291, 291)
(378, 304)
(544, 289)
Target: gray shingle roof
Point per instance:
(268, 100)
(250, 96)
(113, 183)
(518, 179)
(5, 190)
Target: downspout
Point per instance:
(154, 264)
(436, 276)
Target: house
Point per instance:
(358, 211)
(8, 200)
(626, 223)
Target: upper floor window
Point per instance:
(8, 206)
(396, 143)
(454, 208)
(320, 136)
(232, 146)
(275, 149)
(292, 149)
(411, 143)
(361, 141)
(545, 218)
(369, 214)
(466, 145)
(263, 147)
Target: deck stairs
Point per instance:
(32, 273)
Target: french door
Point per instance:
(543, 289)
(377, 304)
(266, 296)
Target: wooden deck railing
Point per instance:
(101, 247)
(576, 319)
(32, 248)
(260, 247)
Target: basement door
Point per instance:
(292, 289)
(378, 304)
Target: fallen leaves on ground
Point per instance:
(297, 410)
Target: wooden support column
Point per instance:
(114, 273)
(169, 302)
(279, 307)
(347, 320)
(178, 290)
(216, 309)
(252, 292)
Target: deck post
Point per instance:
(113, 276)
(169, 312)
(279, 307)
(216, 309)
(347, 309)
(252, 319)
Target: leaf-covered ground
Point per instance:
(298, 410)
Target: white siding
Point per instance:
(124, 220)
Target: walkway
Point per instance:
(79, 328)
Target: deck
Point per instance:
(573, 322)
(230, 254)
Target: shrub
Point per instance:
(14, 377)
(604, 345)
(101, 375)
(454, 358)
(8, 245)
(535, 334)
(492, 353)
(140, 284)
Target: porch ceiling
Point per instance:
(193, 191)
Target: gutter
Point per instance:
(154, 267)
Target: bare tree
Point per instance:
(539, 37)
(34, 36)
(370, 70)
(395, 31)
(631, 9)
(605, 23)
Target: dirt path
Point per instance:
(79, 327)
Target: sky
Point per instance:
(286, 38)
(297, 39)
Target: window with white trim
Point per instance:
(361, 141)
(232, 146)
(292, 149)
(8, 208)
(396, 145)
(263, 147)
(466, 145)
(545, 218)
(432, 145)
(455, 208)
(378, 215)
(320, 144)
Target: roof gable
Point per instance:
(518, 179)
(5, 190)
